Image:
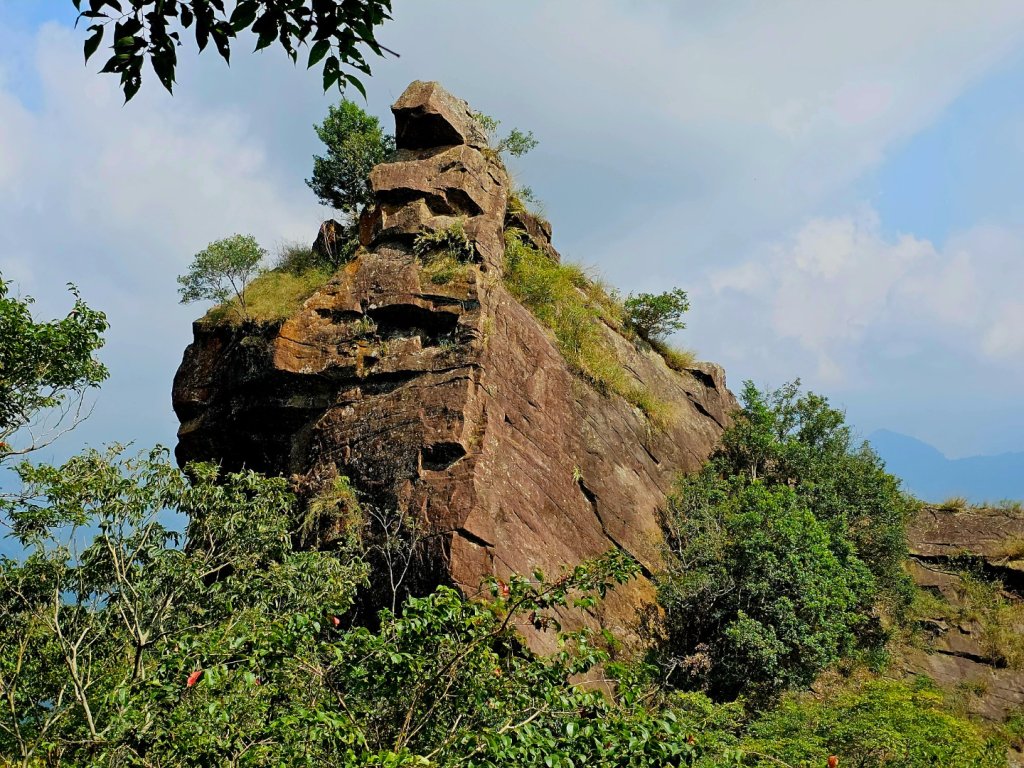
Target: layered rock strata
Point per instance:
(957, 650)
(448, 402)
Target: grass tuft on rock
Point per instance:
(680, 360)
(575, 308)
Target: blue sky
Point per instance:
(837, 187)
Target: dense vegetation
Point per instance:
(786, 551)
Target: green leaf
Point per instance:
(316, 53)
(93, 41)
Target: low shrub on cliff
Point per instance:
(870, 723)
(576, 310)
(274, 295)
(279, 292)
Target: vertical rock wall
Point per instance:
(451, 403)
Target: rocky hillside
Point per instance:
(970, 561)
(446, 400)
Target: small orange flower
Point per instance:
(833, 761)
(336, 621)
(503, 589)
(193, 678)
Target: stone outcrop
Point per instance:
(955, 650)
(450, 403)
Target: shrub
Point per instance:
(355, 143)
(872, 724)
(517, 143)
(222, 270)
(451, 240)
(782, 548)
(757, 598)
(955, 504)
(445, 253)
(655, 316)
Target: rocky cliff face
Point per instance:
(450, 403)
(967, 631)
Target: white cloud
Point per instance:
(117, 199)
(844, 292)
(678, 140)
(1004, 337)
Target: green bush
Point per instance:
(872, 724)
(784, 437)
(355, 143)
(756, 596)
(781, 550)
(655, 316)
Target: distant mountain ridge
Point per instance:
(930, 476)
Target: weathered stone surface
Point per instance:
(330, 240)
(452, 404)
(426, 115)
(998, 691)
(994, 536)
(954, 652)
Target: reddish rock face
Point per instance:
(450, 403)
(955, 651)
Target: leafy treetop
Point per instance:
(45, 365)
(221, 270)
(517, 143)
(335, 33)
(782, 550)
(355, 143)
(655, 316)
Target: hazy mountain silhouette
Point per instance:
(930, 476)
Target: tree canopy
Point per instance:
(782, 550)
(45, 368)
(221, 270)
(355, 143)
(335, 33)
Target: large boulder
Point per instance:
(448, 403)
(426, 115)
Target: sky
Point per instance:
(837, 186)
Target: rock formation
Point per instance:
(449, 402)
(957, 649)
